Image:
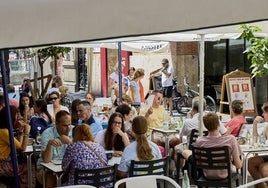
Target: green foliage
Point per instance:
(52, 51)
(257, 52)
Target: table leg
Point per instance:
(245, 168)
(166, 145)
(44, 177)
(29, 171)
(58, 177)
(167, 153)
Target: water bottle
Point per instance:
(262, 140)
(38, 137)
(185, 180)
(249, 138)
(165, 121)
(181, 121)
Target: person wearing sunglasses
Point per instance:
(55, 106)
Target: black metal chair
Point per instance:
(212, 159)
(193, 137)
(150, 167)
(98, 177)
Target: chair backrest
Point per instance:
(194, 135)
(214, 158)
(97, 177)
(150, 167)
(149, 181)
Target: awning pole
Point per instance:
(201, 82)
(120, 71)
(10, 126)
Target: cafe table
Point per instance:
(166, 133)
(247, 151)
(55, 167)
(29, 152)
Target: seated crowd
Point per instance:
(72, 132)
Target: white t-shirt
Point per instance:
(115, 77)
(168, 81)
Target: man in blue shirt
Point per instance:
(84, 113)
(53, 144)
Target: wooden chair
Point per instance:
(150, 167)
(215, 158)
(98, 177)
(149, 181)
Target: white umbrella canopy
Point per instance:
(133, 46)
(44, 22)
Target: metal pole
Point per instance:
(120, 71)
(201, 87)
(10, 126)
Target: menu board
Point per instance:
(239, 85)
(240, 88)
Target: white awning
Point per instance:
(45, 22)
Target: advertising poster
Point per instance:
(240, 88)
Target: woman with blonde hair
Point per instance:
(134, 88)
(83, 153)
(65, 97)
(141, 149)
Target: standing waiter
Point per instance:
(167, 84)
